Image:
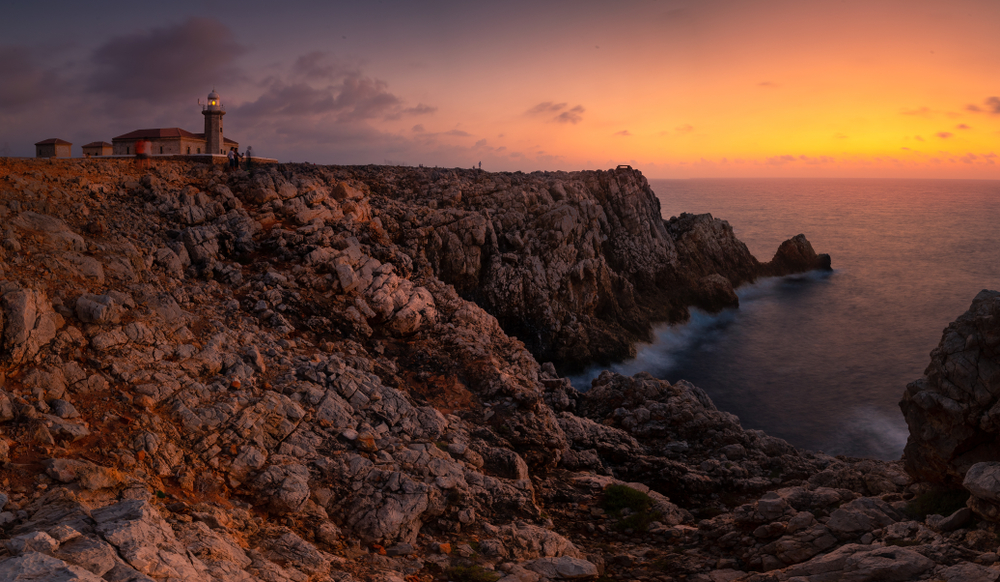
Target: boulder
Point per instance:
(953, 411)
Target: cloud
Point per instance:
(768, 85)
(316, 65)
(992, 106)
(962, 126)
(780, 160)
(165, 64)
(419, 109)
(623, 133)
(686, 128)
(573, 116)
(546, 108)
(418, 128)
(356, 98)
(458, 133)
(24, 82)
(944, 134)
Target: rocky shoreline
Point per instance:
(355, 373)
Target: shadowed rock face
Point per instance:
(576, 265)
(953, 412)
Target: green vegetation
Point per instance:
(937, 501)
(618, 498)
(471, 574)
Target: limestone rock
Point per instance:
(36, 566)
(953, 412)
(563, 568)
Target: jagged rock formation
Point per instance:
(577, 266)
(953, 412)
(294, 376)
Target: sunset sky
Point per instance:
(676, 88)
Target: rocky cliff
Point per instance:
(575, 265)
(309, 373)
(953, 412)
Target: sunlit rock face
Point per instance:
(308, 373)
(953, 412)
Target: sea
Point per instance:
(822, 359)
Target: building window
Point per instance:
(189, 150)
(199, 150)
(128, 150)
(161, 149)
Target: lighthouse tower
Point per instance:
(213, 113)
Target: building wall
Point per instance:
(54, 151)
(165, 147)
(191, 147)
(97, 151)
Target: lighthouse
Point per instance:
(213, 113)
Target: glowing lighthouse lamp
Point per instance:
(213, 113)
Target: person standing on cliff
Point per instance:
(232, 159)
(249, 157)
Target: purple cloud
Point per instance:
(992, 106)
(164, 64)
(573, 116)
(24, 82)
(546, 108)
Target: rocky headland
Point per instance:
(355, 373)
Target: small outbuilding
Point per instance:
(97, 148)
(53, 148)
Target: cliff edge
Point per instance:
(292, 375)
(576, 265)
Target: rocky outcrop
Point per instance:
(576, 265)
(297, 375)
(953, 412)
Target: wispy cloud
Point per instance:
(573, 116)
(623, 133)
(558, 110)
(944, 134)
(991, 105)
(546, 108)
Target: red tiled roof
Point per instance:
(160, 132)
(97, 144)
(164, 132)
(53, 140)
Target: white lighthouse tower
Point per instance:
(213, 113)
